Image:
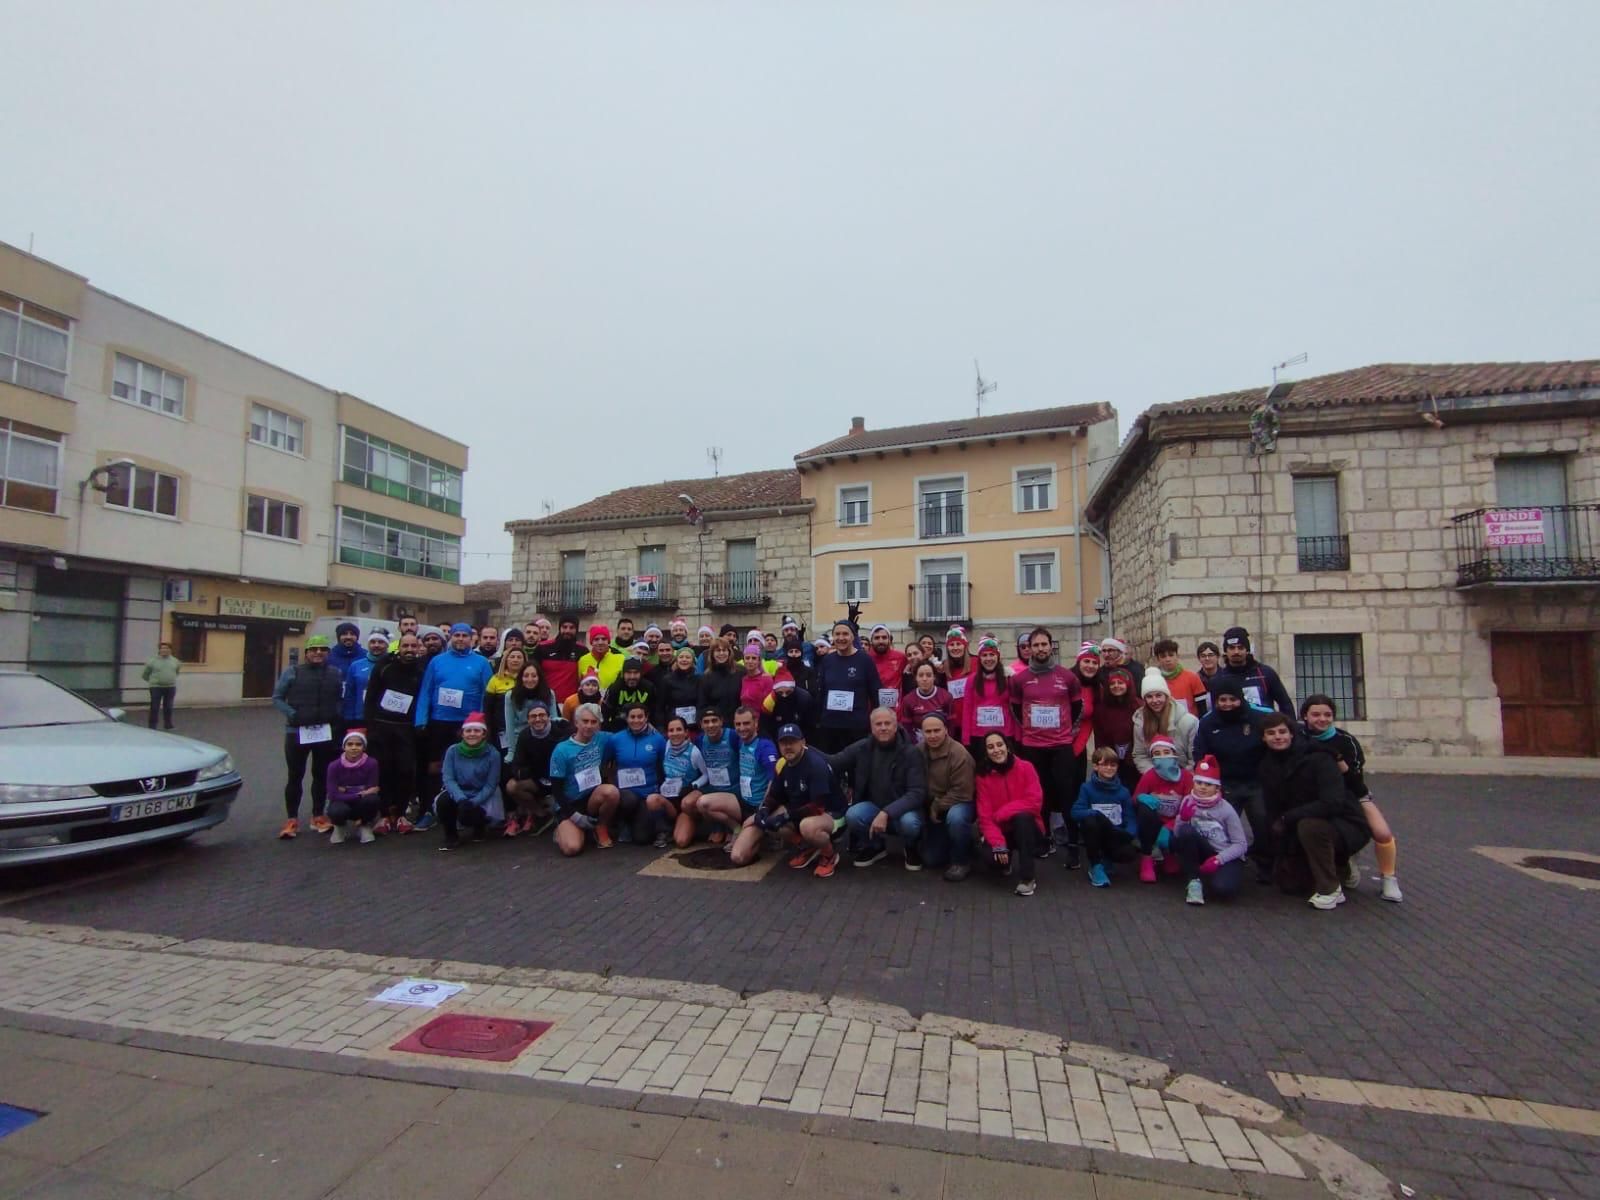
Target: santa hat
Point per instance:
(592, 677)
(1207, 771)
(475, 721)
(781, 679)
(1112, 643)
(706, 629)
(877, 627)
(678, 623)
(1088, 650)
(1154, 681)
(359, 734)
(1162, 742)
(955, 634)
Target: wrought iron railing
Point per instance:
(941, 602)
(1324, 553)
(1553, 543)
(738, 589)
(941, 520)
(647, 593)
(568, 595)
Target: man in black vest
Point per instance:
(308, 695)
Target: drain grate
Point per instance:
(707, 858)
(1578, 868)
(461, 1035)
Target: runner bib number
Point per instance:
(718, 776)
(1044, 716)
(888, 697)
(396, 702)
(1253, 695)
(587, 779)
(671, 788)
(839, 701)
(744, 786)
(957, 688)
(1111, 812)
(630, 777)
(451, 697)
(311, 735)
(991, 716)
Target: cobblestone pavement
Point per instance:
(1483, 981)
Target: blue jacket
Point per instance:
(356, 676)
(1236, 744)
(637, 752)
(758, 761)
(463, 671)
(474, 779)
(807, 784)
(344, 659)
(1097, 791)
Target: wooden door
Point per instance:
(1546, 686)
(261, 646)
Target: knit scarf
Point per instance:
(1327, 735)
(472, 751)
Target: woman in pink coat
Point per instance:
(986, 700)
(1010, 802)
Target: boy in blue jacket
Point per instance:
(1105, 815)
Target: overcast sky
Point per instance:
(592, 239)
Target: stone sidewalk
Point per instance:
(827, 1066)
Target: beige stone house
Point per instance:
(730, 549)
(1420, 542)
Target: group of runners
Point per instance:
(835, 747)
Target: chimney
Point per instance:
(858, 426)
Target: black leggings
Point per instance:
(453, 813)
(362, 810)
(1022, 837)
(1055, 766)
(395, 747)
(1103, 841)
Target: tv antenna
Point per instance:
(1296, 361)
(714, 457)
(982, 388)
(547, 506)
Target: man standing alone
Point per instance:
(161, 673)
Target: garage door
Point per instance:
(1546, 686)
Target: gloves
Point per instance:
(771, 820)
(1209, 867)
(1186, 810)
(1149, 801)
(582, 820)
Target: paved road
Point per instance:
(1483, 981)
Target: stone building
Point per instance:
(731, 549)
(1420, 542)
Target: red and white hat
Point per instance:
(1207, 771)
(955, 634)
(1088, 650)
(1162, 742)
(358, 733)
(591, 677)
(475, 721)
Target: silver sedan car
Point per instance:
(74, 781)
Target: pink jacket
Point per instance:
(1002, 795)
(990, 696)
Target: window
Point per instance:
(381, 466)
(941, 593)
(33, 346)
(743, 582)
(384, 544)
(939, 507)
(189, 645)
(855, 582)
(1318, 543)
(274, 518)
(1033, 489)
(30, 467)
(1535, 481)
(138, 382)
(278, 430)
(855, 505)
(140, 489)
(652, 560)
(1037, 572)
(1331, 664)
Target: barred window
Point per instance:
(1330, 663)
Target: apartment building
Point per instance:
(973, 522)
(1421, 543)
(159, 485)
(732, 549)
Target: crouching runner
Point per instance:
(803, 796)
(586, 803)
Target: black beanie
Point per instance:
(1238, 636)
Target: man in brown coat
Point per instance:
(951, 813)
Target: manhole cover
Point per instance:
(707, 858)
(1576, 867)
(459, 1035)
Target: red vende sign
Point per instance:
(1514, 527)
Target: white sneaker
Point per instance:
(336, 836)
(1195, 893)
(364, 835)
(1352, 874)
(1026, 887)
(1391, 888)
(1331, 900)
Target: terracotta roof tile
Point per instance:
(497, 590)
(719, 494)
(970, 429)
(1388, 382)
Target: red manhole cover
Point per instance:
(458, 1035)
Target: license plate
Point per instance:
(159, 806)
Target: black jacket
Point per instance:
(908, 776)
(393, 674)
(1301, 783)
(719, 689)
(1344, 748)
(675, 690)
(531, 759)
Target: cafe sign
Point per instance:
(1513, 527)
(264, 610)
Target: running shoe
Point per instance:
(828, 864)
(602, 837)
(321, 825)
(804, 857)
(291, 828)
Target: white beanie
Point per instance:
(1154, 681)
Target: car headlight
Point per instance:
(223, 766)
(37, 793)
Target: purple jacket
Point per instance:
(346, 781)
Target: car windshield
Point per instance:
(26, 702)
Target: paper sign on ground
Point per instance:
(423, 993)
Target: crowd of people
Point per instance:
(827, 749)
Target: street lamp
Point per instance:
(100, 479)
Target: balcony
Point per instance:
(1324, 553)
(1556, 543)
(635, 594)
(738, 589)
(941, 521)
(941, 602)
(568, 595)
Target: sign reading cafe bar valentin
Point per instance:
(1513, 527)
(265, 610)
